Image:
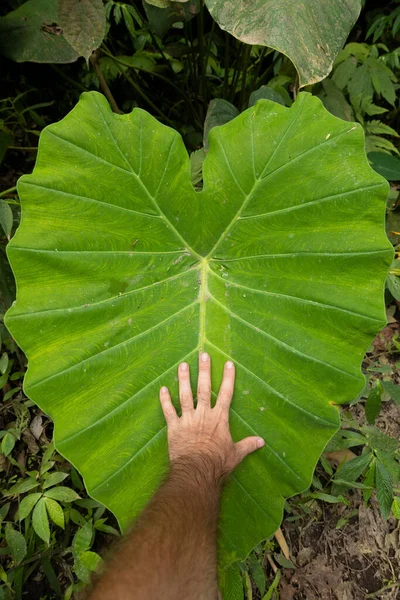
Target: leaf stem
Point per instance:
(202, 56)
(245, 65)
(159, 76)
(8, 191)
(94, 61)
(226, 67)
(142, 94)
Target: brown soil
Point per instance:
(360, 560)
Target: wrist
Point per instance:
(200, 469)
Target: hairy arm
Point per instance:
(171, 554)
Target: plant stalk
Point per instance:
(94, 61)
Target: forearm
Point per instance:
(171, 552)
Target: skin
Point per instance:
(171, 554)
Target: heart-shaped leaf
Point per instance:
(310, 33)
(124, 271)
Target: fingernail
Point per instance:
(204, 357)
(229, 364)
(260, 443)
(184, 367)
(164, 389)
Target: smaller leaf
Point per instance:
(40, 521)
(47, 456)
(330, 498)
(4, 511)
(100, 526)
(370, 481)
(6, 218)
(55, 511)
(27, 505)
(88, 503)
(54, 478)
(76, 480)
(7, 444)
(393, 390)
(393, 284)
(396, 507)
(267, 93)
(284, 562)
(344, 72)
(82, 539)
(374, 403)
(3, 361)
(257, 573)
(219, 112)
(61, 493)
(91, 560)
(196, 166)
(16, 543)
(378, 440)
(76, 517)
(273, 587)
(349, 472)
(384, 489)
(20, 488)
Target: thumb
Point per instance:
(248, 445)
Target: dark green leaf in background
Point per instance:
(16, 543)
(219, 112)
(266, 93)
(166, 13)
(386, 165)
(6, 218)
(393, 390)
(374, 402)
(310, 33)
(31, 33)
(83, 23)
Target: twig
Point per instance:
(271, 562)
(280, 538)
(94, 61)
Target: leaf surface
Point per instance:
(83, 23)
(30, 34)
(310, 33)
(124, 271)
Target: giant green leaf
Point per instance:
(309, 32)
(124, 271)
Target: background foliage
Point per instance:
(173, 60)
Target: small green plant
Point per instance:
(360, 80)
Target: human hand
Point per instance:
(203, 432)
